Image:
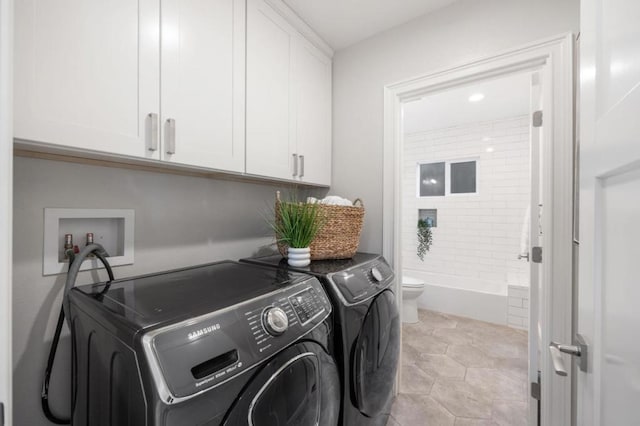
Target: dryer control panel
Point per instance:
(204, 352)
(359, 283)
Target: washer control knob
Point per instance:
(275, 321)
(377, 275)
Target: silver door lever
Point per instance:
(579, 351)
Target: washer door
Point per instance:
(299, 387)
(376, 356)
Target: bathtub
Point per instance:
(467, 297)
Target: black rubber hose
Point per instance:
(47, 375)
(74, 267)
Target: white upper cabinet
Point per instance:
(288, 101)
(312, 88)
(202, 102)
(270, 131)
(228, 85)
(86, 74)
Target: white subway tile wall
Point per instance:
(477, 239)
(518, 310)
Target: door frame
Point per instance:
(554, 56)
(6, 202)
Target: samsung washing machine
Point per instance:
(218, 344)
(367, 330)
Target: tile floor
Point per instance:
(461, 372)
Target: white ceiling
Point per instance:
(342, 23)
(503, 97)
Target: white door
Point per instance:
(270, 130)
(6, 207)
(87, 75)
(203, 83)
(535, 240)
(608, 393)
(312, 89)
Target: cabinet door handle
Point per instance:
(170, 135)
(301, 165)
(152, 131)
(295, 165)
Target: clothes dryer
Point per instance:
(367, 330)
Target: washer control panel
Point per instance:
(307, 305)
(210, 350)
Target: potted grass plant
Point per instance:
(296, 224)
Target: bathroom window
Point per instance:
(432, 179)
(447, 178)
(463, 177)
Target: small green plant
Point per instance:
(424, 238)
(296, 224)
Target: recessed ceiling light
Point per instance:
(476, 97)
(490, 149)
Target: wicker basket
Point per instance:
(339, 236)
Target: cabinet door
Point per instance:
(86, 74)
(312, 80)
(269, 125)
(203, 83)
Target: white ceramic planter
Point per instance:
(299, 256)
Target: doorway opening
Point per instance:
(467, 180)
(457, 174)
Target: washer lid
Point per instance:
(189, 292)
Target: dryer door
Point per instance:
(376, 356)
(300, 386)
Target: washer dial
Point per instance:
(275, 321)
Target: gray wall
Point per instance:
(458, 34)
(180, 221)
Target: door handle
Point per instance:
(295, 165)
(152, 131)
(170, 135)
(301, 165)
(579, 351)
(524, 256)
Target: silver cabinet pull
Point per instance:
(579, 351)
(523, 256)
(295, 165)
(301, 165)
(170, 135)
(152, 131)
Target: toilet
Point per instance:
(412, 288)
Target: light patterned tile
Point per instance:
(455, 366)
(415, 380)
(465, 421)
(413, 410)
(410, 355)
(516, 368)
(428, 345)
(496, 384)
(441, 366)
(470, 356)
(462, 399)
(436, 319)
(502, 349)
(510, 413)
(453, 336)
